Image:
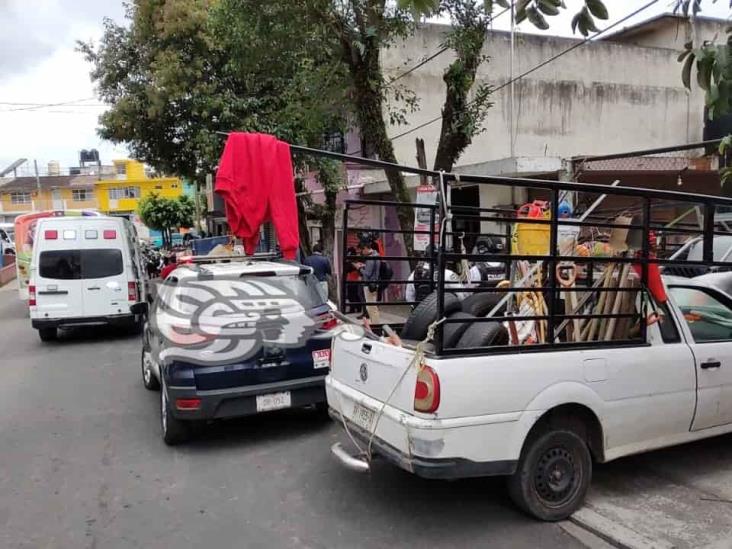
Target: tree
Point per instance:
(182, 70)
(536, 11)
(462, 118)
(363, 28)
(713, 63)
(166, 214)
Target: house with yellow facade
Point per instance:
(120, 193)
(113, 190)
(21, 195)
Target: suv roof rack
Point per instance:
(199, 259)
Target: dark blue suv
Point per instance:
(235, 337)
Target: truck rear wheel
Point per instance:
(48, 334)
(553, 475)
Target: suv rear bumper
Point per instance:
(242, 401)
(114, 320)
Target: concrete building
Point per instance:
(619, 93)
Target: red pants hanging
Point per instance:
(256, 182)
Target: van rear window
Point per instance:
(80, 264)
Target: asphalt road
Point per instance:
(82, 465)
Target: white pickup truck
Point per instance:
(541, 418)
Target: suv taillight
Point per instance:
(427, 390)
(31, 296)
(327, 321)
(132, 291)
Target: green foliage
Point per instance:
(713, 63)
(462, 119)
(181, 70)
(165, 214)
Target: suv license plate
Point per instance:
(273, 401)
(362, 416)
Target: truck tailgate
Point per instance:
(374, 368)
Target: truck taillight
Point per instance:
(427, 390)
(31, 296)
(132, 291)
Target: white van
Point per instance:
(84, 271)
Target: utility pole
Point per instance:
(512, 90)
(38, 180)
(197, 191)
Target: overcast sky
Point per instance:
(39, 64)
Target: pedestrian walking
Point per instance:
(370, 274)
(321, 268)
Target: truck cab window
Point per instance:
(708, 315)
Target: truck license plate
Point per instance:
(362, 416)
(273, 401)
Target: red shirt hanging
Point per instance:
(256, 181)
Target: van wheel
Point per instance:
(47, 334)
(174, 430)
(149, 380)
(136, 325)
(553, 475)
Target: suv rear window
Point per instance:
(80, 264)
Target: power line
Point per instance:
(28, 104)
(36, 106)
(539, 66)
(437, 53)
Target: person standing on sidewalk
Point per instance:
(370, 274)
(321, 268)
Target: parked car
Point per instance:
(7, 236)
(541, 418)
(84, 271)
(228, 338)
(693, 250)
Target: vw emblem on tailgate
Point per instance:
(364, 372)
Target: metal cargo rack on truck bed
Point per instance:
(589, 311)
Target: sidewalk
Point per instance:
(679, 497)
(11, 286)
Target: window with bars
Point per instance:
(334, 142)
(20, 197)
(81, 195)
(124, 192)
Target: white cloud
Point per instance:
(39, 64)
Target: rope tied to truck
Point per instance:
(416, 361)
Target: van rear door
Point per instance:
(59, 291)
(104, 263)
